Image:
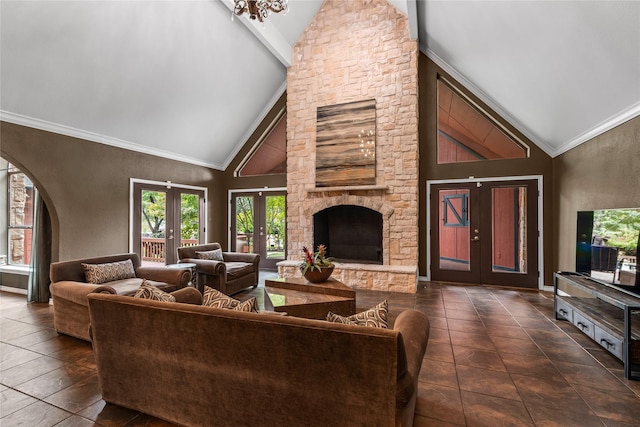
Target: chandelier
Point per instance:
(259, 9)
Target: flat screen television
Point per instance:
(608, 242)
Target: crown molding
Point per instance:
(44, 125)
(613, 121)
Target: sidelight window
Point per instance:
(20, 197)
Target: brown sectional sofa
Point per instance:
(203, 366)
(69, 288)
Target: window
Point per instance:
(269, 155)
(467, 133)
(20, 216)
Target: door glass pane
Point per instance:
(20, 219)
(509, 229)
(275, 226)
(244, 224)
(21, 193)
(153, 223)
(20, 245)
(454, 235)
(189, 219)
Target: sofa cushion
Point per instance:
(377, 317)
(238, 269)
(215, 298)
(108, 272)
(148, 291)
(215, 255)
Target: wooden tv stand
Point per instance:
(607, 314)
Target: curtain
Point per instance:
(38, 288)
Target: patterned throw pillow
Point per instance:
(148, 291)
(108, 272)
(215, 255)
(376, 317)
(215, 298)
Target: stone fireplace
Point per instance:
(356, 50)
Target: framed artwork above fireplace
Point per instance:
(346, 144)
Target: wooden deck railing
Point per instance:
(153, 248)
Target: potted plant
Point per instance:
(316, 266)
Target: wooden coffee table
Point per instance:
(299, 298)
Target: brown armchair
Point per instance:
(236, 272)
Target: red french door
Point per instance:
(485, 233)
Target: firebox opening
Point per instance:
(351, 233)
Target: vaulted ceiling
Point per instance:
(180, 79)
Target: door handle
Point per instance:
(475, 239)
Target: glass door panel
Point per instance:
(244, 224)
(189, 219)
(153, 223)
(509, 229)
(275, 215)
(455, 239)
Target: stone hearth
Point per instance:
(338, 60)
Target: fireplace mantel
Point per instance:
(386, 278)
(348, 188)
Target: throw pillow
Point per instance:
(108, 272)
(215, 298)
(148, 291)
(376, 317)
(215, 255)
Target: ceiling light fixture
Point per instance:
(259, 9)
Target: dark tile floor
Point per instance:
(495, 357)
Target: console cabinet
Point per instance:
(607, 314)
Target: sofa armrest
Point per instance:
(173, 276)
(241, 257)
(188, 296)
(413, 326)
(76, 291)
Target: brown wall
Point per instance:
(86, 187)
(602, 173)
(539, 163)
